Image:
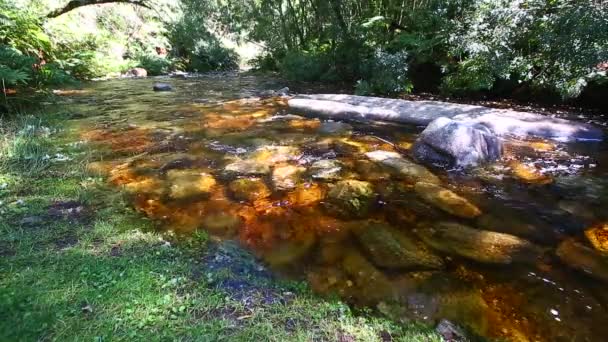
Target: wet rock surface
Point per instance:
(501, 122)
(162, 87)
(186, 184)
(446, 200)
(286, 177)
(390, 248)
(350, 198)
(479, 245)
(402, 167)
(584, 259)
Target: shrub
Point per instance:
(304, 66)
(154, 65)
(386, 73)
(212, 56)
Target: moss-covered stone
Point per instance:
(351, 198)
(390, 248)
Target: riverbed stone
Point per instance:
(248, 189)
(247, 167)
(528, 174)
(162, 87)
(326, 169)
(446, 200)
(276, 154)
(350, 198)
(390, 248)
(479, 245)
(306, 195)
(456, 144)
(286, 177)
(371, 284)
(186, 184)
(597, 236)
(402, 167)
(583, 258)
(286, 252)
(224, 224)
(335, 128)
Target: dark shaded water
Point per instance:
(516, 250)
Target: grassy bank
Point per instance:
(77, 264)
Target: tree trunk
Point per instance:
(80, 3)
(336, 6)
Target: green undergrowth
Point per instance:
(78, 264)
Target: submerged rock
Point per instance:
(222, 224)
(305, 195)
(528, 174)
(351, 198)
(389, 248)
(446, 200)
(326, 170)
(371, 284)
(509, 222)
(286, 177)
(289, 251)
(348, 147)
(186, 184)
(402, 167)
(450, 331)
(162, 87)
(249, 190)
(371, 171)
(598, 237)
(453, 143)
(479, 245)
(335, 128)
(246, 167)
(583, 258)
(276, 154)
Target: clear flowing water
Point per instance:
(516, 250)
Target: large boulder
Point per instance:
(479, 245)
(402, 168)
(502, 122)
(454, 143)
(390, 248)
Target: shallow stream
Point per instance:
(517, 250)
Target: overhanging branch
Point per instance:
(80, 3)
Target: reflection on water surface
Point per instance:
(517, 250)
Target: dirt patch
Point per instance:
(72, 211)
(65, 242)
(241, 276)
(6, 250)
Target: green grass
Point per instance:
(106, 273)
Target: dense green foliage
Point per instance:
(476, 45)
(460, 47)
